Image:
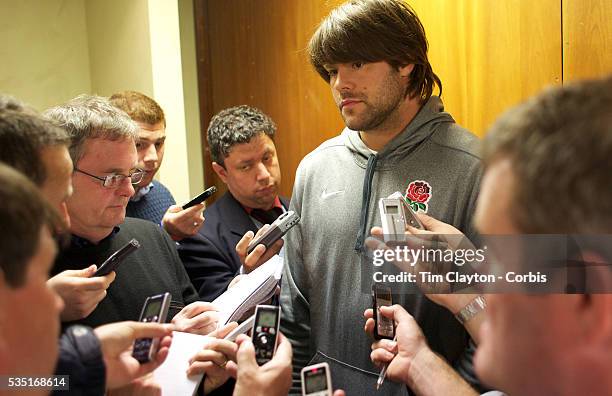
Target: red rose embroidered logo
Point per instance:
(418, 194)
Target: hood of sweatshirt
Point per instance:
(416, 132)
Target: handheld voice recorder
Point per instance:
(383, 326)
(276, 231)
(316, 380)
(396, 214)
(201, 197)
(155, 310)
(113, 261)
(265, 332)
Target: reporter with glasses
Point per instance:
(104, 158)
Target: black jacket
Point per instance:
(210, 256)
(80, 358)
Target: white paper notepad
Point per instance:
(253, 289)
(172, 374)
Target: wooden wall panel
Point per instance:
(491, 55)
(587, 38)
(257, 57)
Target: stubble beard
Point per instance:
(388, 99)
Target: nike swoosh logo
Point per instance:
(325, 194)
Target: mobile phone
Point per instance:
(154, 310)
(113, 261)
(265, 332)
(316, 380)
(242, 328)
(395, 215)
(277, 229)
(383, 326)
(201, 198)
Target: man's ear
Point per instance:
(596, 310)
(4, 289)
(220, 171)
(406, 70)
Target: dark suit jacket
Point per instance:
(210, 256)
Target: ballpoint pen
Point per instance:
(383, 372)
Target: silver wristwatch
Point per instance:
(472, 309)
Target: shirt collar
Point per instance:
(79, 242)
(277, 204)
(142, 192)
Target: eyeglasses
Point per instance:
(114, 180)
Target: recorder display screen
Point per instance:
(153, 308)
(315, 380)
(392, 209)
(266, 319)
(383, 300)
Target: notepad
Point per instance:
(253, 289)
(172, 374)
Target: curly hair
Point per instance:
(236, 125)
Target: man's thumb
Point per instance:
(85, 272)
(429, 222)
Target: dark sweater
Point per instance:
(153, 205)
(153, 269)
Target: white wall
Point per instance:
(119, 46)
(53, 50)
(44, 58)
(168, 91)
(190, 93)
(136, 45)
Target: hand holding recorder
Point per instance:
(80, 290)
(260, 253)
(276, 231)
(383, 326)
(114, 260)
(273, 378)
(185, 221)
(154, 310)
(396, 216)
(256, 250)
(400, 354)
(411, 361)
(116, 340)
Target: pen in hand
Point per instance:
(383, 372)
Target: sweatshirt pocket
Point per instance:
(357, 381)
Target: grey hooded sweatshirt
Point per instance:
(325, 287)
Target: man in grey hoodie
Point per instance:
(373, 53)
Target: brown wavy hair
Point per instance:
(374, 31)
